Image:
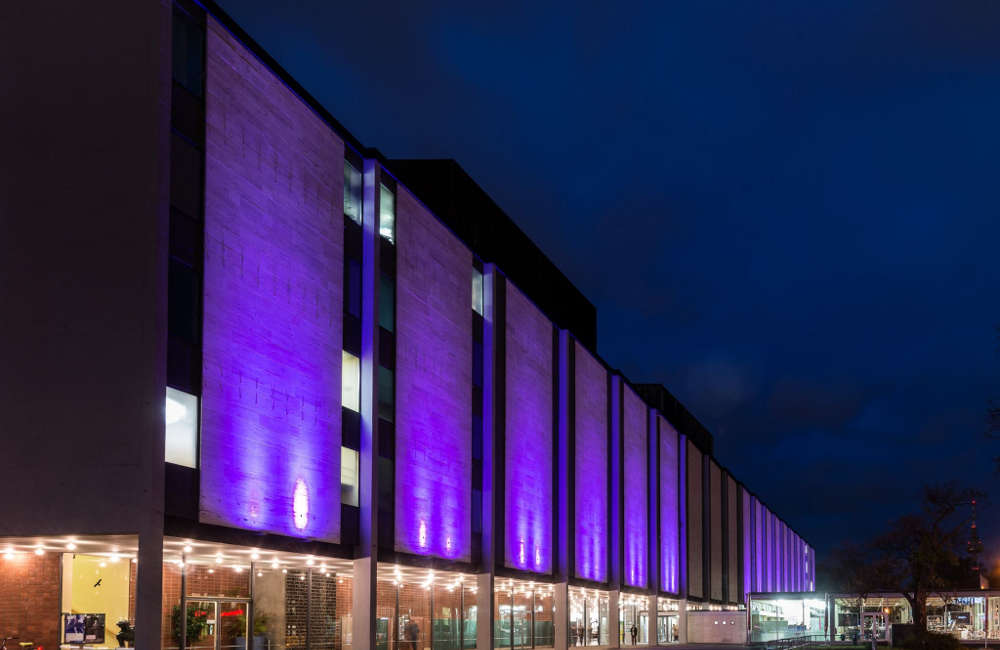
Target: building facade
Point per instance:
(275, 390)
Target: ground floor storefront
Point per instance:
(75, 591)
(969, 616)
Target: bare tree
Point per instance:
(920, 554)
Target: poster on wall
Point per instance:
(83, 628)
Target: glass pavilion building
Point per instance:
(386, 424)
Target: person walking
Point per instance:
(634, 631)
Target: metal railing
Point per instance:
(788, 643)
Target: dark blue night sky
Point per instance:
(787, 212)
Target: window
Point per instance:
(386, 303)
(353, 288)
(348, 476)
(181, 413)
(188, 53)
(477, 292)
(387, 214)
(350, 387)
(386, 397)
(352, 193)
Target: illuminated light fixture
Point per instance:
(340, 581)
(180, 563)
(187, 548)
(103, 564)
(422, 534)
(302, 577)
(115, 557)
(211, 570)
(274, 563)
(70, 546)
(323, 567)
(284, 570)
(135, 560)
(237, 568)
(260, 574)
(310, 561)
(39, 551)
(254, 555)
(174, 411)
(218, 558)
(300, 505)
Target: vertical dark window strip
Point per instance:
(187, 175)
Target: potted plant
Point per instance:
(196, 623)
(260, 640)
(126, 633)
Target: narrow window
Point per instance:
(387, 214)
(477, 292)
(348, 476)
(350, 390)
(386, 303)
(352, 193)
(181, 413)
(386, 396)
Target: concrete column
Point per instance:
(613, 623)
(363, 603)
(682, 622)
(651, 620)
(484, 611)
(149, 589)
(560, 601)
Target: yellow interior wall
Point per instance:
(80, 596)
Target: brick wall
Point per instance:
(636, 491)
(591, 468)
(433, 386)
(273, 303)
(528, 436)
(30, 598)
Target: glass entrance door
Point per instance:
(232, 631)
(217, 624)
(202, 624)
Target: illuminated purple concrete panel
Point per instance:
(591, 468)
(433, 386)
(732, 550)
(760, 546)
(747, 505)
(669, 505)
(715, 539)
(528, 437)
(695, 549)
(270, 429)
(636, 492)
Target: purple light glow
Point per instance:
(636, 491)
(270, 434)
(747, 542)
(433, 386)
(669, 535)
(528, 437)
(591, 463)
